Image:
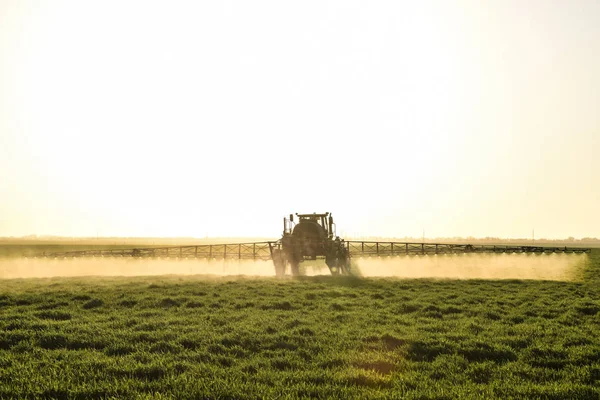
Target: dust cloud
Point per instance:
(71, 267)
(564, 267)
(558, 267)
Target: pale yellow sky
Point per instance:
(187, 118)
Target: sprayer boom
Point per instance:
(312, 237)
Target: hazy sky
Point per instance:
(187, 118)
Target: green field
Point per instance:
(319, 337)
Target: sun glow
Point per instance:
(193, 118)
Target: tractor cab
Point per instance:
(318, 226)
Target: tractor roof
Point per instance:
(313, 215)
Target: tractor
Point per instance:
(312, 237)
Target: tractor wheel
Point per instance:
(332, 262)
(295, 266)
(344, 262)
(279, 262)
(345, 265)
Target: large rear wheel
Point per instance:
(295, 266)
(331, 259)
(279, 262)
(344, 261)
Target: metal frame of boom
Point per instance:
(266, 250)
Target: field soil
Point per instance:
(229, 337)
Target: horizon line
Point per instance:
(43, 237)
